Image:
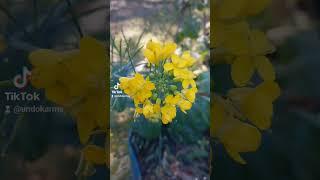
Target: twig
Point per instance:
(74, 19)
(13, 19)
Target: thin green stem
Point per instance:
(74, 18)
(129, 56)
(80, 167)
(12, 135)
(13, 19)
(6, 83)
(35, 13)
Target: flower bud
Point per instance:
(176, 92)
(154, 96)
(173, 87)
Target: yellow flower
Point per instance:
(141, 90)
(156, 52)
(168, 112)
(256, 104)
(179, 63)
(236, 136)
(137, 88)
(171, 100)
(244, 65)
(76, 81)
(183, 103)
(190, 94)
(151, 111)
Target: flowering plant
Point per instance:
(168, 85)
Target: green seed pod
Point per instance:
(158, 101)
(173, 87)
(154, 96)
(176, 92)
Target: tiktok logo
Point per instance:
(116, 86)
(21, 81)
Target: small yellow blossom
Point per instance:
(190, 94)
(168, 113)
(137, 88)
(156, 52)
(151, 111)
(183, 103)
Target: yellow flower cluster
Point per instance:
(169, 84)
(75, 80)
(238, 117)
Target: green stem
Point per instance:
(12, 19)
(80, 167)
(74, 19)
(35, 13)
(6, 83)
(12, 135)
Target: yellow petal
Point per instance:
(92, 52)
(260, 44)
(258, 109)
(235, 37)
(186, 83)
(184, 105)
(168, 67)
(168, 50)
(265, 68)
(239, 136)
(85, 125)
(270, 89)
(58, 94)
(255, 7)
(44, 58)
(153, 46)
(242, 70)
(235, 155)
(150, 56)
(229, 9)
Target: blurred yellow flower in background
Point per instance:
(75, 80)
(230, 9)
(238, 117)
(236, 135)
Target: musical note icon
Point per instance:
(21, 81)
